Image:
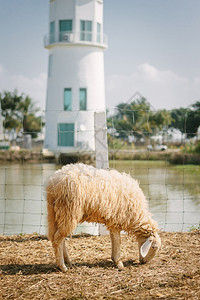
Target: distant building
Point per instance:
(198, 134)
(75, 88)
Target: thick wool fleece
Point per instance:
(78, 193)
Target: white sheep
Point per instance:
(78, 193)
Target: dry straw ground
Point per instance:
(27, 269)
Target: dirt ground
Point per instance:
(28, 271)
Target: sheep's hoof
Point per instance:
(63, 269)
(120, 265)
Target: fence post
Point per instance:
(101, 149)
(101, 143)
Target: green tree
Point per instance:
(193, 120)
(159, 120)
(9, 104)
(31, 123)
(179, 117)
(19, 113)
(187, 120)
(138, 119)
(131, 118)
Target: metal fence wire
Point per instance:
(172, 190)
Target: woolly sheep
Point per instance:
(79, 192)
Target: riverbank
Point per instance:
(24, 156)
(29, 156)
(173, 157)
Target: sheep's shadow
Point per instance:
(14, 269)
(105, 264)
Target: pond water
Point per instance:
(173, 195)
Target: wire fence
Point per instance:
(172, 190)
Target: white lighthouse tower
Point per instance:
(75, 89)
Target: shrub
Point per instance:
(191, 148)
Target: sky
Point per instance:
(153, 49)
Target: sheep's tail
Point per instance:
(52, 227)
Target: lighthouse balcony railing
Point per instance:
(83, 37)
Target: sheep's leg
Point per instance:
(66, 256)
(116, 242)
(51, 216)
(58, 248)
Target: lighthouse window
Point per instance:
(86, 30)
(67, 99)
(83, 99)
(98, 32)
(65, 26)
(50, 65)
(52, 32)
(66, 134)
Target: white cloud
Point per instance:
(162, 88)
(34, 87)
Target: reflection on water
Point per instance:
(173, 195)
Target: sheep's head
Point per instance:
(148, 247)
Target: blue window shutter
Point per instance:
(98, 32)
(52, 32)
(85, 30)
(50, 65)
(83, 99)
(66, 134)
(64, 27)
(67, 99)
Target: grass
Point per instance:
(191, 148)
(192, 228)
(141, 163)
(190, 169)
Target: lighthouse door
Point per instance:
(66, 134)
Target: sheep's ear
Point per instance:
(144, 249)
